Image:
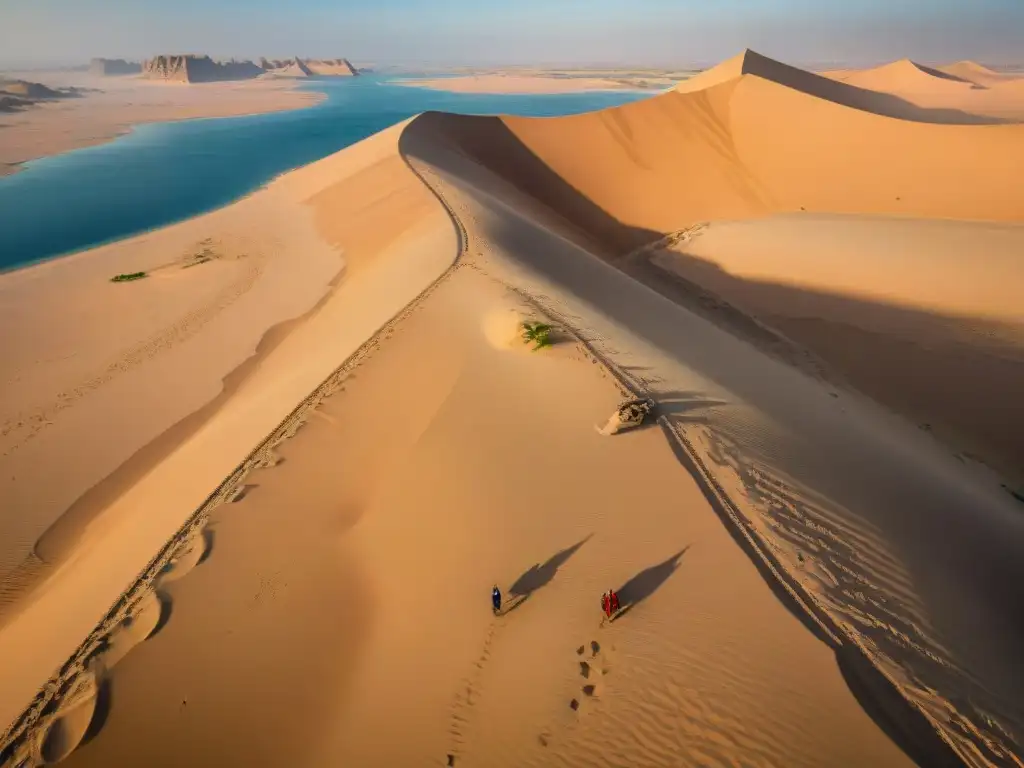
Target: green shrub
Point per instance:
(128, 276)
(538, 334)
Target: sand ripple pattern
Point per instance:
(841, 572)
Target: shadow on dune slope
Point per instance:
(957, 377)
(560, 197)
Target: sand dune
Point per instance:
(907, 75)
(810, 579)
(743, 147)
(876, 91)
(978, 74)
(964, 87)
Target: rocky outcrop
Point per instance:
(108, 67)
(286, 67)
(306, 67)
(190, 68)
(334, 67)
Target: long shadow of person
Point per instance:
(645, 583)
(539, 575)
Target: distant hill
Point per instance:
(107, 67)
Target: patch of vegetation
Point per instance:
(538, 334)
(127, 277)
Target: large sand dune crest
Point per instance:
(873, 91)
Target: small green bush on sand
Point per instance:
(128, 277)
(538, 334)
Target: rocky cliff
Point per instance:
(198, 69)
(306, 67)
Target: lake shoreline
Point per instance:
(191, 166)
(99, 116)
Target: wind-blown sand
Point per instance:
(508, 83)
(111, 106)
(811, 579)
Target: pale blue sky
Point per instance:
(655, 32)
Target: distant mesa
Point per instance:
(190, 68)
(109, 67)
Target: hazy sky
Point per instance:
(656, 32)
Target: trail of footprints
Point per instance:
(593, 670)
(466, 697)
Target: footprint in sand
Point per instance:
(593, 670)
(594, 666)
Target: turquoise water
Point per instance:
(165, 172)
